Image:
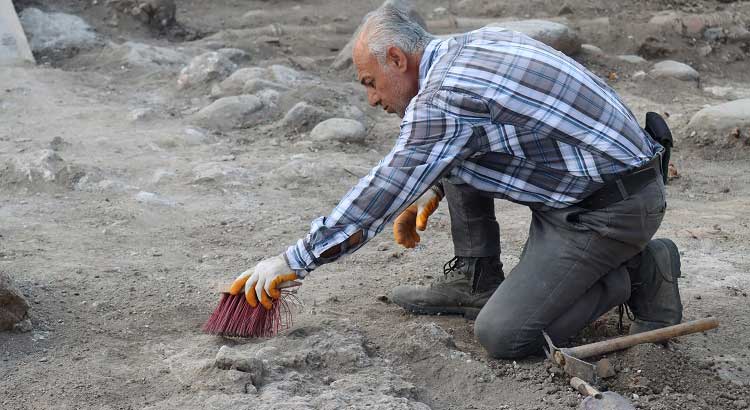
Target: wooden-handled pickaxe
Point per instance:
(571, 359)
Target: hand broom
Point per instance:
(234, 317)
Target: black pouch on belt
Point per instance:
(658, 129)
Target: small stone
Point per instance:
(382, 298)
(705, 50)
(639, 75)
(151, 198)
(632, 59)
(43, 360)
(591, 50)
(605, 369)
(205, 68)
(339, 130)
(714, 34)
(141, 114)
(740, 404)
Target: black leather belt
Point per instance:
(627, 185)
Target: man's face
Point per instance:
(392, 85)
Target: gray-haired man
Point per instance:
(495, 114)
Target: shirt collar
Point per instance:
(427, 59)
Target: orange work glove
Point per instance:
(260, 283)
(415, 217)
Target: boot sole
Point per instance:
(467, 312)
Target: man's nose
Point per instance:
(373, 98)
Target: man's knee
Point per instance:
(502, 342)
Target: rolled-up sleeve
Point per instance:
(436, 133)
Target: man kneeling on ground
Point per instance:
(495, 114)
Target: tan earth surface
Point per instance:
(124, 210)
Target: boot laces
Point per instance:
(623, 310)
(452, 265)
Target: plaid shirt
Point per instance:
(503, 113)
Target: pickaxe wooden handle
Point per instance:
(652, 336)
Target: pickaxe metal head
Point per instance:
(573, 366)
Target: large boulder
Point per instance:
(674, 69)
(56, 32)
(556, 35)
(228, 113)
(204, 69)
(13, 306)
(722, 124)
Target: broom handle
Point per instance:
(282, 285)
(653, 336)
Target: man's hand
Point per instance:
(415, 217)
(260, 283)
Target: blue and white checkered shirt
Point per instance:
(503, 113)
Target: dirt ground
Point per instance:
(120, 283)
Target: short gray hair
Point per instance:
(390, 26)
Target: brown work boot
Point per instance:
(466, 285)
(655, 296)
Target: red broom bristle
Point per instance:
(234, 317)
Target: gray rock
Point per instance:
(231, 112)
(284, 74)
(220, 172)
(151, 198)
(352, 112)
(205, 68)
(45, 166)
(556, 35)
(719, 123)
(235, 55)
(632, 59)
(13, 306)
(591, 50)
(343, 59)
(728, 92)
(674, 69)
(714, 34)
(142, 114)
(54, 32)
(228, 358)
(195, 136)
(234, 84)
(251, 80)
(302, 117)
(256, 85)
(339, 130)
(139, 55)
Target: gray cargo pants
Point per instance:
(572, 269)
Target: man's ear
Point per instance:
(396, 57)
